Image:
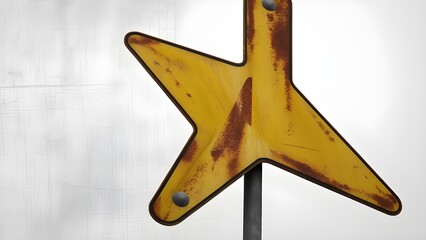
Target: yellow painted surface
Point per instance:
(248, 113)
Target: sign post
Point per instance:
(252, 225)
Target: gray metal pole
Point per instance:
(252, 225)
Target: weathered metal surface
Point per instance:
(248, 113)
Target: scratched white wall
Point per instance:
(86, 136)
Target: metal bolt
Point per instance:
(269, 4)
(180, 199)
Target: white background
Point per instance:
(86, 136)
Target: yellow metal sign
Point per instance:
(248, 113)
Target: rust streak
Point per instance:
(246, 101)
(387, 201)
(288, 95)
(142, 40)
(281, 35)
(311, 172)
(229, 142)
(190, 151)
(217, 151)
(191, 183)
(167, 214)
(250, 23)
(281, 44)
(340, 186)
(270, 17)
(233, 166)
(326, 131)
(157, 207)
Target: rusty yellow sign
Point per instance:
(247, 113)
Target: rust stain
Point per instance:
(233, 167)
(290, 129)
(340, 186)
(190, 151)
(157, 205)
(281, 35)
(323, 128)
(142, 40)
(188, 94)
(167, 215)
(270, 17)
(217, 151)
(281, 44)
(309, 171)
(229, 142)
(148, 43)
(233, 164)
(170, 72)
(246, 101)
(386, 201)
(180, 65)
(288, 95)
(250, 23)
(189, 185)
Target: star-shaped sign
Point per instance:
(248, 113)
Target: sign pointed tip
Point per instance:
(397, 206)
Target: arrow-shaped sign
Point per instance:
(248, 113)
